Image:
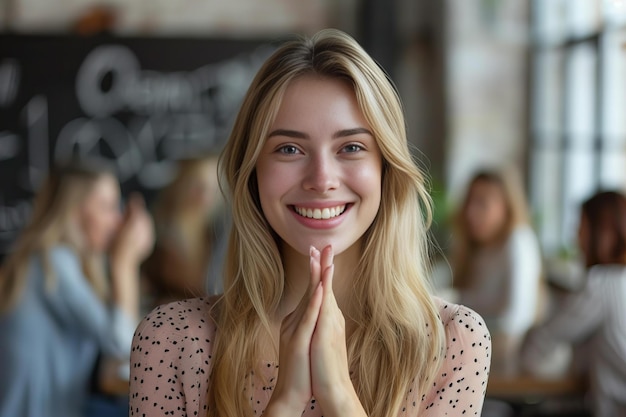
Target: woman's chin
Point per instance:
(339, 247)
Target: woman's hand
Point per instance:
(133, 243)
(135, 237)
(293, 388)
(330, 375)
(313, 355)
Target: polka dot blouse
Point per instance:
(171, 364)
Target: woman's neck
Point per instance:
(297, 278)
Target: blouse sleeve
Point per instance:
(171, 361)
(524, 277)
(576, 319)
(75, 303)
(460, 387)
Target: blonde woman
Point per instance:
(56, 310)
(497, 267)
(189, 225)
(326, 309)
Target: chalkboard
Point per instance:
(139, 103)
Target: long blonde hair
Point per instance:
(51, 224)
(171, 210)
(510, 184)
(399, 337)
(187, 229)
(173, 199)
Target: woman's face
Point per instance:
(99, 215)
(486, 211)
(320, 171)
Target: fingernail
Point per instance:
(311, 249)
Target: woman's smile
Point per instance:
(328, 217)
(320, 213)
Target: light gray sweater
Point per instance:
(50, 340)
(597, 314)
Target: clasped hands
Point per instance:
(313, 355)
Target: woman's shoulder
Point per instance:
(62, 254)
(606, 278)
(460, 386)
(601, 271)
(182, 316)
(65, 263)
(180, 319)
(523, 235)
(459, 318)
(466, 333)
(63, 259)
(171, 352)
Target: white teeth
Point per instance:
(319, 214)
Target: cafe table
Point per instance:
(524, 387)
(527, 395)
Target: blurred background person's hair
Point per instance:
(59, 311)
(497, 262)
(54, 222)
(602, 232)
(189, 217)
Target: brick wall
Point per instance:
(487, 50)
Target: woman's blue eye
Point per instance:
(352, 148)
(288, 150)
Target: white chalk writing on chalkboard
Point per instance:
(9, 86)
(35, 115)
(142, 120)
(9, 81)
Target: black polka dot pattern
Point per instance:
(171, 363)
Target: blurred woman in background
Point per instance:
(58, 311)
(597, 314)
(189, 222)
(497, 264)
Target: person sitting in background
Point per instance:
(189, 223)
(58, 311)
(497, 263)
(596, 314)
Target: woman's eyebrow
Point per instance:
(289, 133)
(350, 132)
(339, 134)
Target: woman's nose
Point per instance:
(322, 174)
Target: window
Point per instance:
(578, 111)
